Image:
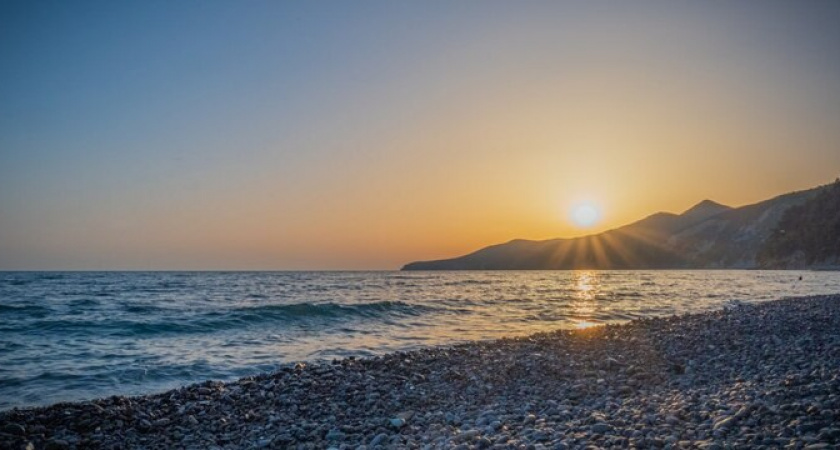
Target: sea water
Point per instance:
(80, 335)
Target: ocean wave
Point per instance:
(142, 308)
(468, 282)
(83, 302)
(33, 310)
(304, 310)
(235, 318)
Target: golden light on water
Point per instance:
(584, 302)
(584, 324)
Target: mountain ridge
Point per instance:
(709, 235)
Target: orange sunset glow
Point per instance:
(415, 135)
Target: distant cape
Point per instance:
(706, 236)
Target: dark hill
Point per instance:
(707, 235)
(807, 234)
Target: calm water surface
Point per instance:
(72, 336)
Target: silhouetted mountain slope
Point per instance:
(708, 235)
(808, 234)
(703, 211)
(733, 238)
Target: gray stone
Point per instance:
(397, 422)
(334, 435)
(601, 428)
(379, 439)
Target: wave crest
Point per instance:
(235, 318)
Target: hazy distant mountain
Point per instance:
(808, 235)
(708, 235)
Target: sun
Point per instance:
(585, 214)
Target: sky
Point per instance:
(265, 135)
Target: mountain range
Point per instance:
(768, 234)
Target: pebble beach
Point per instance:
(746, 376)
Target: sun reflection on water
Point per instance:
(586, 285)
(584, 324)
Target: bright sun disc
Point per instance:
(585, 214)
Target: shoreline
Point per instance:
(759, 375)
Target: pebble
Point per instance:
(601, 428)
(379, 439)
(397, 422)
(14, 428)
(334, 435)
(467, 435)
(57, 444)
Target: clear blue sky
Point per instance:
(281, 135)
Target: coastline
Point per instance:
(758, 375)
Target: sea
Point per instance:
(67, 336)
